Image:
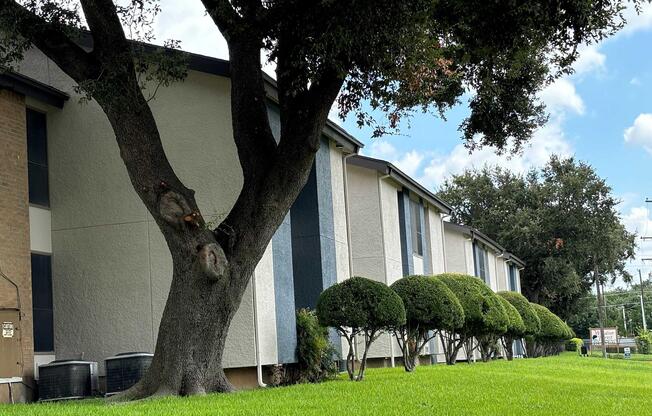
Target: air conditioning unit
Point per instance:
(67, 379)
(124, 370)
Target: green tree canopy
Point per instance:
(561, 220)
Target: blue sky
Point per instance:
(602, 115)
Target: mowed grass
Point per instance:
(565, 385)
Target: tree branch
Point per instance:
(51, 40)
(224, 15)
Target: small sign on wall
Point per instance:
(7, 329)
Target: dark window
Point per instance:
(417, 230)
(481, 259)
(512, 277)
(37, 158)
(42, 303)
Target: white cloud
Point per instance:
(188, 22)
(561, 96)
(409, 162)
(640, 133)
(546, 141)
(590, 60)
(637, 220)
(635, 81)
(637, 22)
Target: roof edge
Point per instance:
(387, 168)
(32, 88)
(476, 234)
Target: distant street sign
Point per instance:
(628, 353)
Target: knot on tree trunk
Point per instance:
(174, 209)
(212, 261)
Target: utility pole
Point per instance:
(625, 320)
(601, 310)
(640, 277)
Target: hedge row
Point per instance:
(461, 309)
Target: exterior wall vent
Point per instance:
(125, 369)
(67, 379)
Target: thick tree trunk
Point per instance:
(192, 333)
(508, 347)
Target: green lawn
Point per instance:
(565, 385)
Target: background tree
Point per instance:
(360, 306)
(557, 219)
(396, 56)
(484, 315)
(430, 307)
(615, 300)
(531, 321)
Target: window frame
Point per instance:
(481, 261)
(37, 166)
(416, 228)
(42, 308)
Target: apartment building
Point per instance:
(76, 237)
(396, 228)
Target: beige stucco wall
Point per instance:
(365, 222)
(435, 240)
(110, 264)
(391, 230)
(339, 213)
(501, 274)
(458, 251)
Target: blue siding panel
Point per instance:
(286, 334)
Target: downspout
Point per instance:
(382, 238)
(443, 241)
(345, 175)
(345, 178)
(259, 365)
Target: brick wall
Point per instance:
(14, 220)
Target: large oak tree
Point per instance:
(390, 56)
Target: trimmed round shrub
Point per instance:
(528, 314)
(483, 310)
(360, 303)
(574, 344)
(553, 329)
(367, 307)
(429, 303)
(515, 325)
